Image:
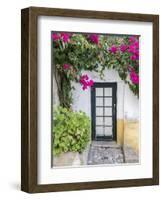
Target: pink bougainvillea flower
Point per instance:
(66, 66)
(136, 44)
(86, 82)
(94, 38)
(133, 57)
(65, 37)
(132, 39)
(84, 87)
(113, 49)
(84, 77)
(132, 49)
(137, 55)
(123, 48)
(90, 83)
(55, 36)
(134, 77)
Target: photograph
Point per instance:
(95, 99)
(90, 99)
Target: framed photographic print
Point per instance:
(90, 99)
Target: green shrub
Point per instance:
(71, 131)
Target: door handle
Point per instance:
(114, 108)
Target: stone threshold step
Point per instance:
(105, 144)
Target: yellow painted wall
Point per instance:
(128, 133)
(131, 134)
(120, 131)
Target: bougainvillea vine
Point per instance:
(75, 53)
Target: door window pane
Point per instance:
(99, 112)
(99, 120)
(108, 121)
(108, 131)
(99, 91)
(99, 131)
(108, 111)
(108, 91)
(99, 101)
(108, 101)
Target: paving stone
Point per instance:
(105, 153)
(130, 155)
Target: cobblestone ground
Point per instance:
(110, 153)
(105, 153)
(130, 156)
(98, 153)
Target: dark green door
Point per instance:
(103, 109)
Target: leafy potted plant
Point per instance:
(71, 135)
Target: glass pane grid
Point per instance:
(103, 112)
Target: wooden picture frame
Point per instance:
(29, 97)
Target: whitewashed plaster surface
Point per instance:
(127, 102)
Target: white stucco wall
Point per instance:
(127, 102)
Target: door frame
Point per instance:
(113, 85)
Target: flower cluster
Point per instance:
(55, 36)
(133, 75)
(123, 48)
(94, 52)
(86, 81)
(113, 49)
(66, 66)
(65, 37)
(94, 38)
(133, 48)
